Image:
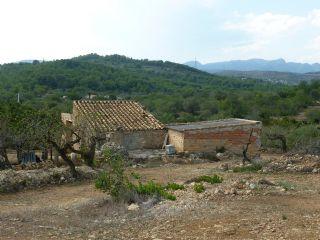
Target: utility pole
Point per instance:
(195, 62)
(18, 100)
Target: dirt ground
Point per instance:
(79, 211)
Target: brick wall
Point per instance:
(208, 140)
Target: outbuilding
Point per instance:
(231, 134)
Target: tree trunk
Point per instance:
(4, 161)
(284, 144)
(63, 154)
(89, 155)
(245, 156)
(71, 165)
(19, 154)
(245, 150)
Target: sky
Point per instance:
(173, 30)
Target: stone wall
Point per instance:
(208, 140)
(149, 139)
(176, 138)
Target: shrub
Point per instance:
(115, 182)
(153, 189)
(303, 137)
(248, 168)
(275, 130)
(286, 185)
(174, 186)
(199, 188)
(136, 175)
(209, 179)
(298, 136)
(221, 149)
(313, 116)
(116, 186)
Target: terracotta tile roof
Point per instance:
(116, 115)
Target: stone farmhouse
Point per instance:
(125, 122)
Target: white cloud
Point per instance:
(266, 25)
(314, 17)
(246, 48)
(156, 29)
(268, 31)
(314, 44)
(261, 30)
(204, 3)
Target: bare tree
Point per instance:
(91, 135)
(245, 150)
(65, 138)
(47, 133)
(279, 137)
(62, 149)
(4, 144)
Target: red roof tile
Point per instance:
(115, 115)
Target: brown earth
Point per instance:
(79, 211)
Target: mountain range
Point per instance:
(278, 65)
(277, 70)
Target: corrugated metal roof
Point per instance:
(117, 115)
(211, 124)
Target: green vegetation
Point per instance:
(173, 92)
(136, 175)
(313, 116)
(115, 182)
(153, 189)
(209, 179)
(199, 188)
(248, 168)
(174, 186)
(286, 185)
(297, 136)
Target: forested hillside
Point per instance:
(173, 92)
(276, 77)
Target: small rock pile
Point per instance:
(233, 188)
(115, 149)
(12, 181)
(295, 163)
(31, 166)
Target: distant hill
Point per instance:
(278, 65)
(271, 76)
(27, 61)
(112, 75)
(173, 92)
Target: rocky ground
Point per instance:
(13, 180)
(294, 163)
(267, 204)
